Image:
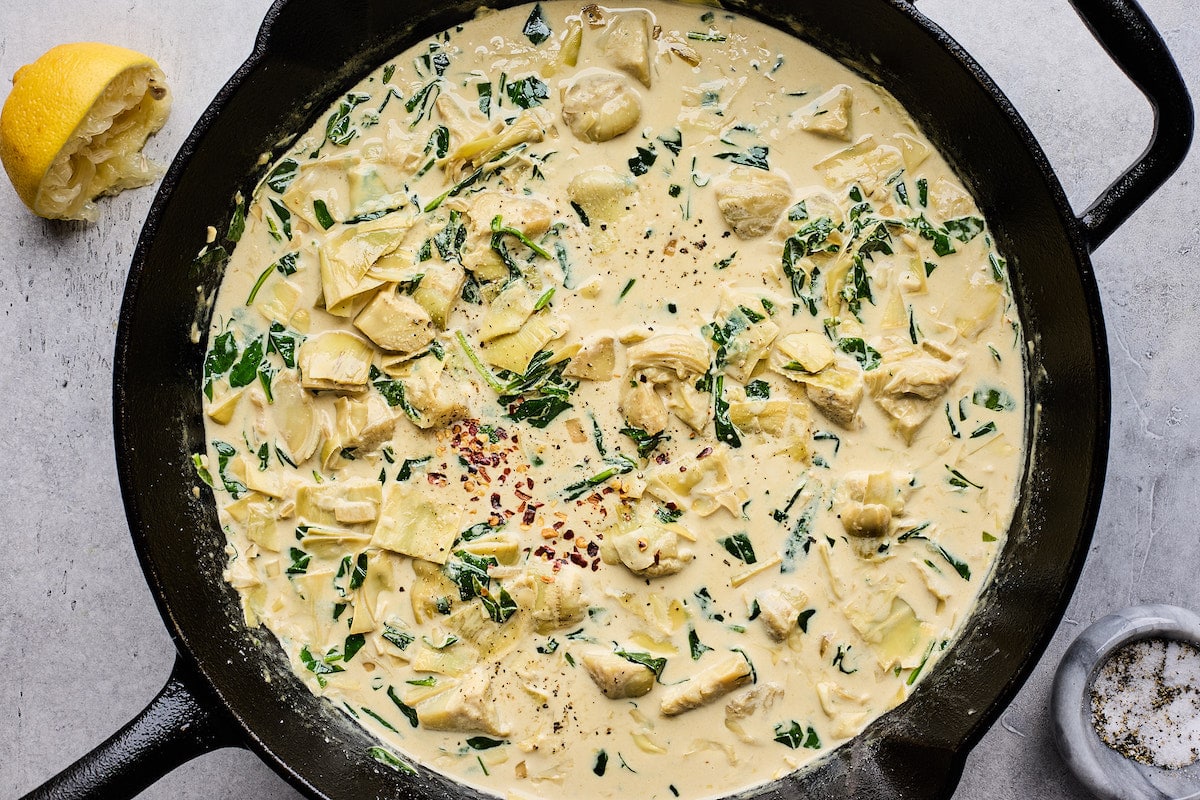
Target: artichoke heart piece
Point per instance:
(325, 179)
(529, 215)
(528, 126)
(437, 399)
(869, 501)
(779, 608)
(348, 255)
(908, 382)
(828, 114)
(650, 550)
(627, 44)
(701, 484)
(395, 322)
(835, 390)
(867, 163)
(683, 354)
(752, 201)
(295, 416)
(603, 195)
(748, 341)
(338, 503)
(508, 311)
(809, 351)
(558, 600)
(335, 361)
(468, 706)
(263, 529)
(717, 680)
(598, 105)
(363, 423)
(440, 287)
(514, 351)
(416, 521)
(616, 677)
(595, 360)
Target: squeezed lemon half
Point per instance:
(74, 125)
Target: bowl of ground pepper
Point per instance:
(1126, 705)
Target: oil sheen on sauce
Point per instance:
(621, 399)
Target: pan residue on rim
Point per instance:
(628, 399)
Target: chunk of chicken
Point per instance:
(616, 677)
(828, 114)
(599, 105)
(837, 393)
(395, 322)
(468, 706)
(716, 680)
(752, 200)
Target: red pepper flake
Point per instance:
(568, 534)
(593, 549)
(544, 552)
(483, 473)
(705, 453)
(529, 483)
(595, 564)
(437, 479)
(530, 515)
(558, 525)
(662, 458)
(496, 500)
(578, 560)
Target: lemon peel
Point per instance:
(74, 125)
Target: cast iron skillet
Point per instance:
(232, 687)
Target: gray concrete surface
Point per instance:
(83, 648)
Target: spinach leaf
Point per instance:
(755, 156)
(537, 27)
(527, 92)
(738, 545)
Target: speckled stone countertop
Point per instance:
(83, 647)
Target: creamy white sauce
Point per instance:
(765, 274)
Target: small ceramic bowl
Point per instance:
(1105, 772)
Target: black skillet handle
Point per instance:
(1123, 29)
(181, 723)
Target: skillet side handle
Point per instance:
(180, 724)
(1135, 45)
